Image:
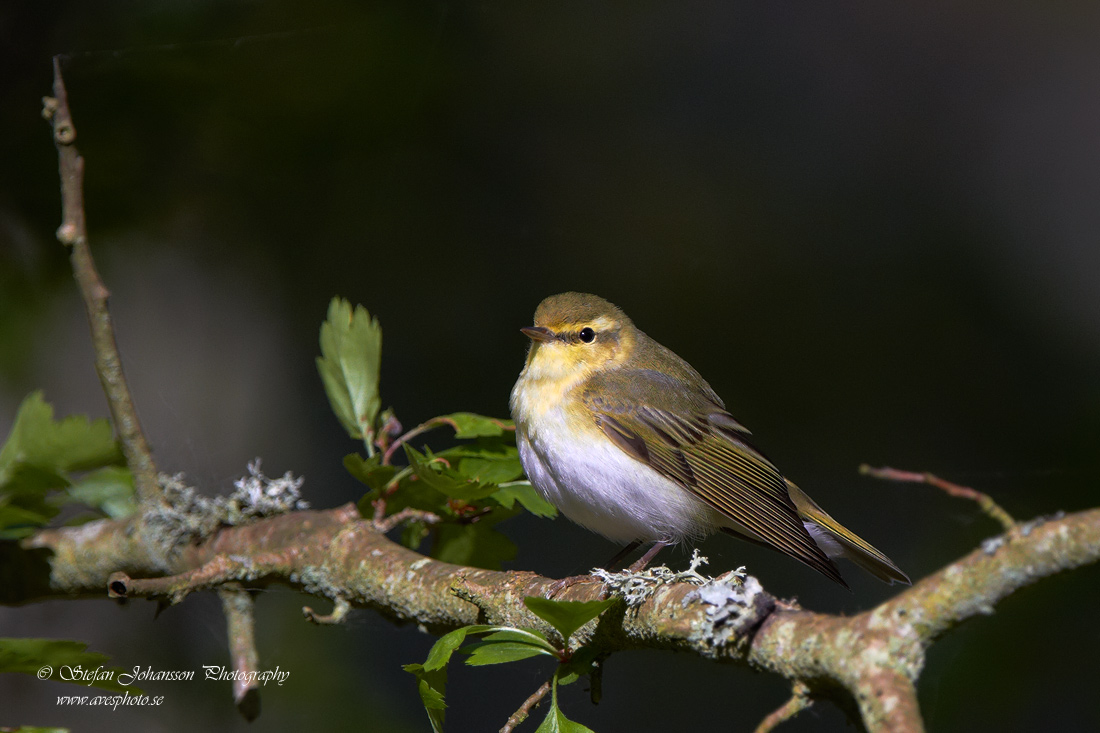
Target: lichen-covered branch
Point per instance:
(869, 663)
(73, 233)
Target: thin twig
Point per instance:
(990, 507)
(73, 233)
(525, 709)
(237, 603)
(799, 701)
(420, 429)
(221, 569)
(407, 514)
(340, 610)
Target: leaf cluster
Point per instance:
(503, 644)
(45, 464)
(457, 496)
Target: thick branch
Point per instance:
(871, 660)
(73, 232)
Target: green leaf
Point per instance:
(527, 496)
(491, 470)
(72, 444)
(566, 616)
(498, 652)
(36, 457)
(579, 664)
(351, 356)
(555, 720)
(432, 686)
(445, 480)
(17, 522)
(446, 645)
(470, 425)
(523, 636)
(370, 470)
(110, 490)
(67, 662)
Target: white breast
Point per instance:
(600, 487)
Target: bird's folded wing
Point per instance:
(691, 440)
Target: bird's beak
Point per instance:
(538, 333)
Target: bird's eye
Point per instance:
(587, 335)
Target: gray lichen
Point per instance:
(191, 517)
(635, 588)
(735, 604)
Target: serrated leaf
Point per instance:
(555, 720)
(109, 490)
(566, 616)
(444, 480)
(71, 444)
(471, 425)
(29, 656)
(527, 496)
(499, 652)
(432, 686)
(349, 365)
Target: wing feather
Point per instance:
(689, 438)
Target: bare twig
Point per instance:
(799, 701)
(420, 429)
(237, 604)
(73, 232)
(219, 570)
(407, 514)
(340, 610)
(990, 507)
(525, 709)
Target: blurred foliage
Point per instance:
(68, 662)
(38, 462)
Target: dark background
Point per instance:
(873, 229)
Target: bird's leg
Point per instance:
(558, 586)
(651, 553)
(622, 554)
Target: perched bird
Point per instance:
(629, 441)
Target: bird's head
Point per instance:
(576, 334)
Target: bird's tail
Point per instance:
(839, 541)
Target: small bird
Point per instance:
(629, 441)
